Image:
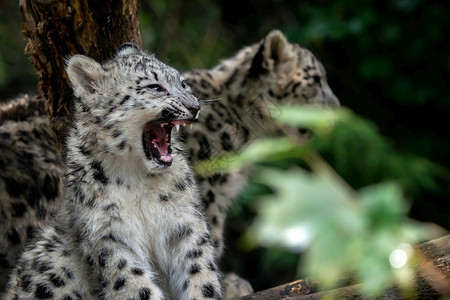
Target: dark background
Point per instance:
(388, 61)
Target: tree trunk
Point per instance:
(58, 29)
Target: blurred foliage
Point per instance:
(345, 232)
(388, 61)
(17, 74)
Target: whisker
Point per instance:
(209, 101)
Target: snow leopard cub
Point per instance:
(131, 225)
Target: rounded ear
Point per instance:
(85, 74)
(273, 50)
(128, 49)
(276, 48)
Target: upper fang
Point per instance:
(198, 113)
(177, 126)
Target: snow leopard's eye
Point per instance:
(183, 84)
(156, 88)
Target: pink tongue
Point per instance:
(160, 142)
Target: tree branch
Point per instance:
(432, 279)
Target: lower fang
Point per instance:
(190, 126)
(166, 158)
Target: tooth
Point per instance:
(198, 113)
(190, 126)
(177, 126)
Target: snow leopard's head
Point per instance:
(131, 103)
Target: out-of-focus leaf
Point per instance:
(311, 117)
(263, 150)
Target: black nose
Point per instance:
(193, 108)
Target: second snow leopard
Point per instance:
(131, 223)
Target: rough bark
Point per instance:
(58, 29)
(432, 280)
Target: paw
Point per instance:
(235, 287)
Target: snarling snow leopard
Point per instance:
(245, 86)
(131, 223)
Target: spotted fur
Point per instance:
(131, 223)
(245, 88)
(248, 87)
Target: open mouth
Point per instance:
(156, 140)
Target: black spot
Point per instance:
(44, 267)
(99, 174)
(90, 260)
(212, 124)
(26, 283)
(214, 220)
(43, 292)
(90, 202)
(18, 209)
(121, 264)
(205, 147)
(122, 145)
(68, 272)
(163, 197)
(195, 268)
(167, 115)
(183, 231)
(186, 284)
(125, 99)
(194, 253)
(180, 185)
(66, 297)
(77, 294)
(13, 187)
(212, 266)
(137, 271)
(208, 290)
(232, 78)
(226, 142)
(203, 240)
(116, 133)
(4, 263)
(85, 151)
(14, 237)
(205, 203)
(120, 283)
(213, 179)
(144, 294)
(56, 280)
(51, 187)
(102, 281)
(210, 197)
(111, 206)
(103, 257)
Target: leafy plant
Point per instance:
(344, 232)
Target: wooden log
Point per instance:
(57, 29)
(432, 280)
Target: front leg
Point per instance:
(120, 274)
(194, 273)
